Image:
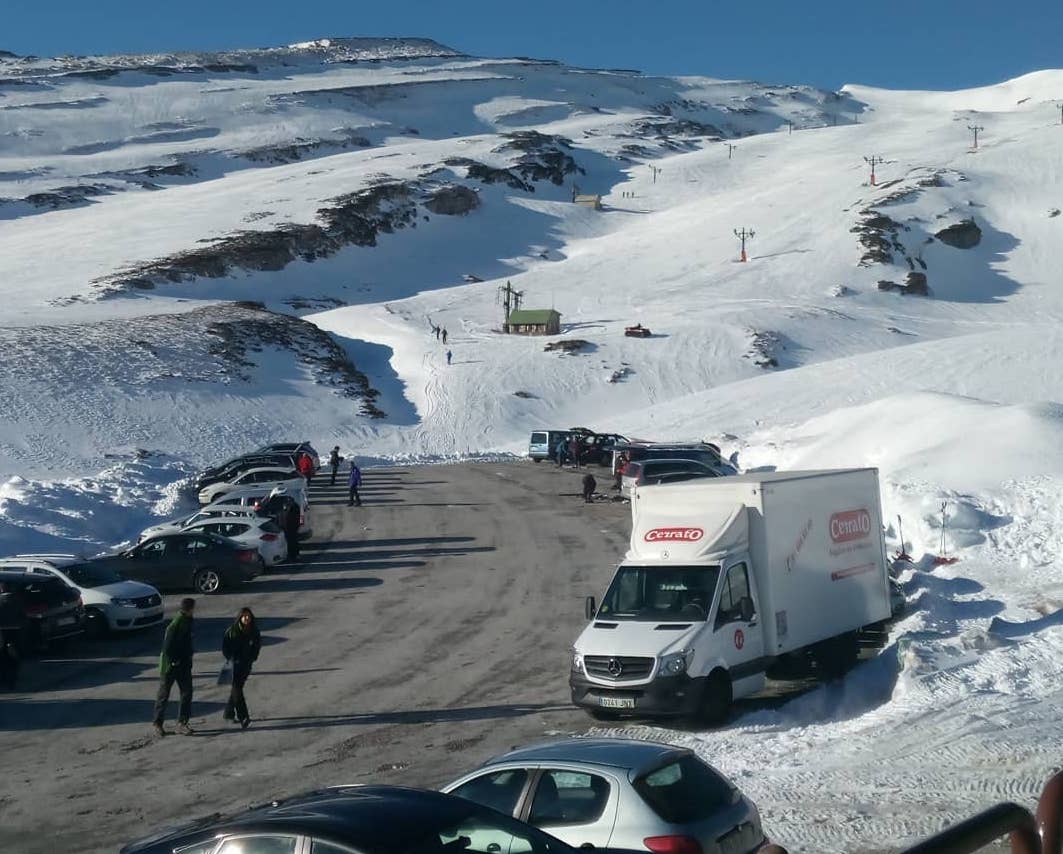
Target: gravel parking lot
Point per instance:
(420, 634)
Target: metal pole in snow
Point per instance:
(974, 129)
(871, 161)
(744, 235)
(730, 149)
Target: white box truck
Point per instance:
(725, 577)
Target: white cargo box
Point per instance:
(813, 538)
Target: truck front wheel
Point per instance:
(716, 699)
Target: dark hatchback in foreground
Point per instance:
(51, 610)
(358, 820)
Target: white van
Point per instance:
(724, 577)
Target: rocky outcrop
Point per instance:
(453, 200)
(914, 285)
(878, 235)
(353, 219)
(963, 235)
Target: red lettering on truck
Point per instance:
(683, 535)
(850, 525)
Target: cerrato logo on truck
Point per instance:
(683, 535)
(850, 525)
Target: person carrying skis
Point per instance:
(240, 645)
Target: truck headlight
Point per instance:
(674, 663)
(577, 662)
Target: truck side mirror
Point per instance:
(745, 607)
(589, 607)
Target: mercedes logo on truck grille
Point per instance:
(614, 667)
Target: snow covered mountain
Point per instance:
(370, 188)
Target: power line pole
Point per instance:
(974, 129)
(872, 161)
(744, 235)
(510, 299)
(730, 149)
(655, 170)
(790, 122)
(1061, 114)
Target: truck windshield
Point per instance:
(660, 593)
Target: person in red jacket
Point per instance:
(305, 464)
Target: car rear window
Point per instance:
(684, 790)
(539, 438)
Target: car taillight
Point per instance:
(269, 538)
(672, 844)
(247, 555)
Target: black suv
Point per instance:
(40, 610)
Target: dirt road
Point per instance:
(422, 633)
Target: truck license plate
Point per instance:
(616, 702)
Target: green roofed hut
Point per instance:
(533, 321)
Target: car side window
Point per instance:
(735, 589)
(499, 790)
(568, 797)
(153, 550)
(259, 845)
(195, 544)
(319, 846)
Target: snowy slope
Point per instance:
(139, 189)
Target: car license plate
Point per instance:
(616, 702)
(65, 621)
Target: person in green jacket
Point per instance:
(240, 645)
(175, 665)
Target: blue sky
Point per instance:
(932, 44)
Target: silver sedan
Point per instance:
(618, 793)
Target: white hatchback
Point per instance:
(259, 532)
(111, 602)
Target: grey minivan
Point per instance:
(618, 793)
(543, 443)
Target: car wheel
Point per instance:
(538, 460)
(716, 699)
(207, 581)
(95, 625)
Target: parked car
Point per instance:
(202, 562)
(211, 511)
(52, 609)
(598, 448)
(652, 472)
(237, 466)
(253, 477)
(111, 603)
(543, 444)
(703, 452)
(620, 793)
(353, 819)
(256, 532)
(265, 501)
(292, 448)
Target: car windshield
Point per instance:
(87, 575)
(660, 593)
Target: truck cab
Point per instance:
(724, 576)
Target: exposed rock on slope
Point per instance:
(963, 235)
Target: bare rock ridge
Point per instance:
(963, 235)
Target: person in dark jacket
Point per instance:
(354, 480)
(560, 451)
(334, 460)
(589, 485)
(12, 624)
(175, 665)
(574, 448)
(290, 523)
(240, 645)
